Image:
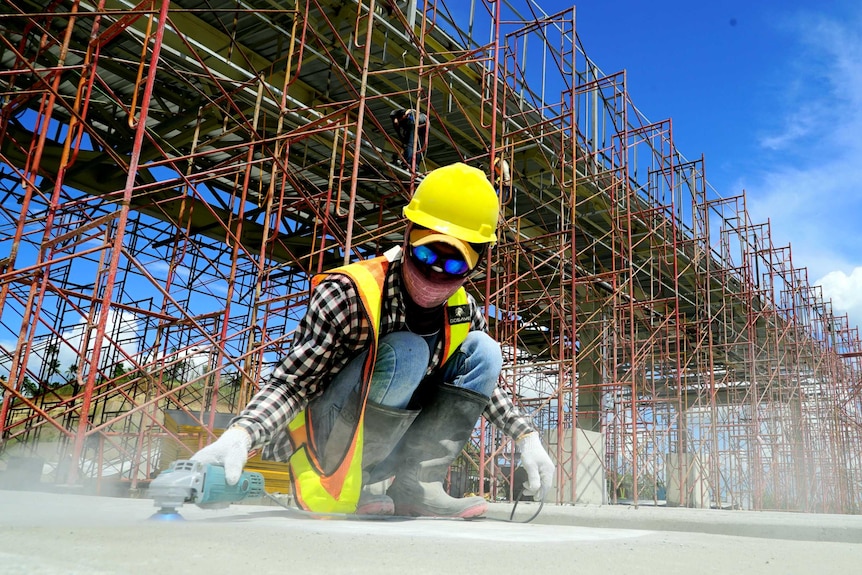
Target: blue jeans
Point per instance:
(402, 359)
(409, 138)
(408, 149)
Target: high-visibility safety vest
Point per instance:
(337, 489)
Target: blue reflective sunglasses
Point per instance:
(426, 255)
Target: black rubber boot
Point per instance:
(430, 445)
(384, 428)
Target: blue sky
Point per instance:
(770, 91)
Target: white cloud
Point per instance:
(794, 128)
(809, 192)
(160, 269)
(845, 291)
(124, 327)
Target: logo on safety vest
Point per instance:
(459, 314)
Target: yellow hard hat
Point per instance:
(457, 200)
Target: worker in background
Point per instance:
(502, 176)
(389, 371)
(411, 127)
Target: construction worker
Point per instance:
(502, 173)
(390, 370)
(410, 127)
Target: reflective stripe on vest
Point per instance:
(338, 491)
(456, 332)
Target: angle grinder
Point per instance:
(204, 484)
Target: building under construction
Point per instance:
(172, 173)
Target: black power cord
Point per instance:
(515, 507)
(311, 514)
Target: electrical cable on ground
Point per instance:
(511, 518)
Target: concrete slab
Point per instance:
(49, 533)
(766, 524)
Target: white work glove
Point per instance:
(538, 465)
(230, 451)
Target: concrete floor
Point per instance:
(50, 533)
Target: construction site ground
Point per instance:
(66, 533)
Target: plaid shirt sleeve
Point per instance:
(503, 413)
(501, 410)
(332, 331)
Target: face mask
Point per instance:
(424, 291)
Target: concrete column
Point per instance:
(694, 490)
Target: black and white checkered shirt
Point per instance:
(334, 330)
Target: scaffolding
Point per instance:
(172, 173)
